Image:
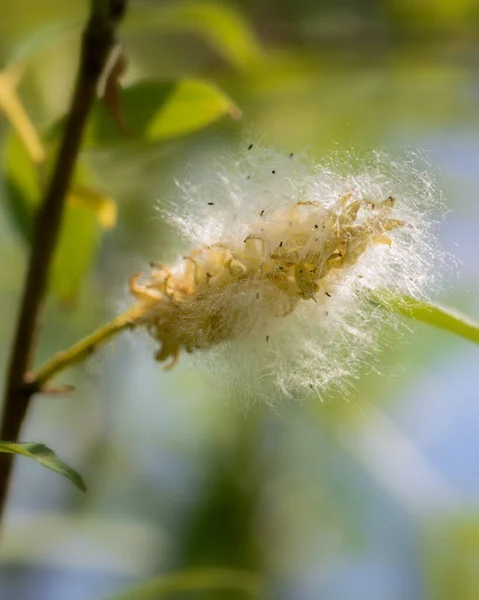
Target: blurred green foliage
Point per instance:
(287, 497)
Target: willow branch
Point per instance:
(98, 39)
(83, 348)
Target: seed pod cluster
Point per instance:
(278, 258)
(286, 259)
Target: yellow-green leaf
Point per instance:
(191, 105)
(86, 211)
(12, 106)
(45, 457)
(21, 183)
(74, 254)
(158, 110)
(103, 206)
(224, 28)
(195, 580)
(433, 314)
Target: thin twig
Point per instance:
(83, 348)
(98, 39)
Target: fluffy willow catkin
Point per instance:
(280, 257)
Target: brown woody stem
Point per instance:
(98, 39)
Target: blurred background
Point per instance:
(375, 498)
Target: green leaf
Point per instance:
(432, 314)
(103, 206)
(159, 110)
(75, 252)
(21, 184)
(45, 457)
(12, 106)
(194, 580)
(86, 212)
(221, 25)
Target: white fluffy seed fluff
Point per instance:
(279, 258)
